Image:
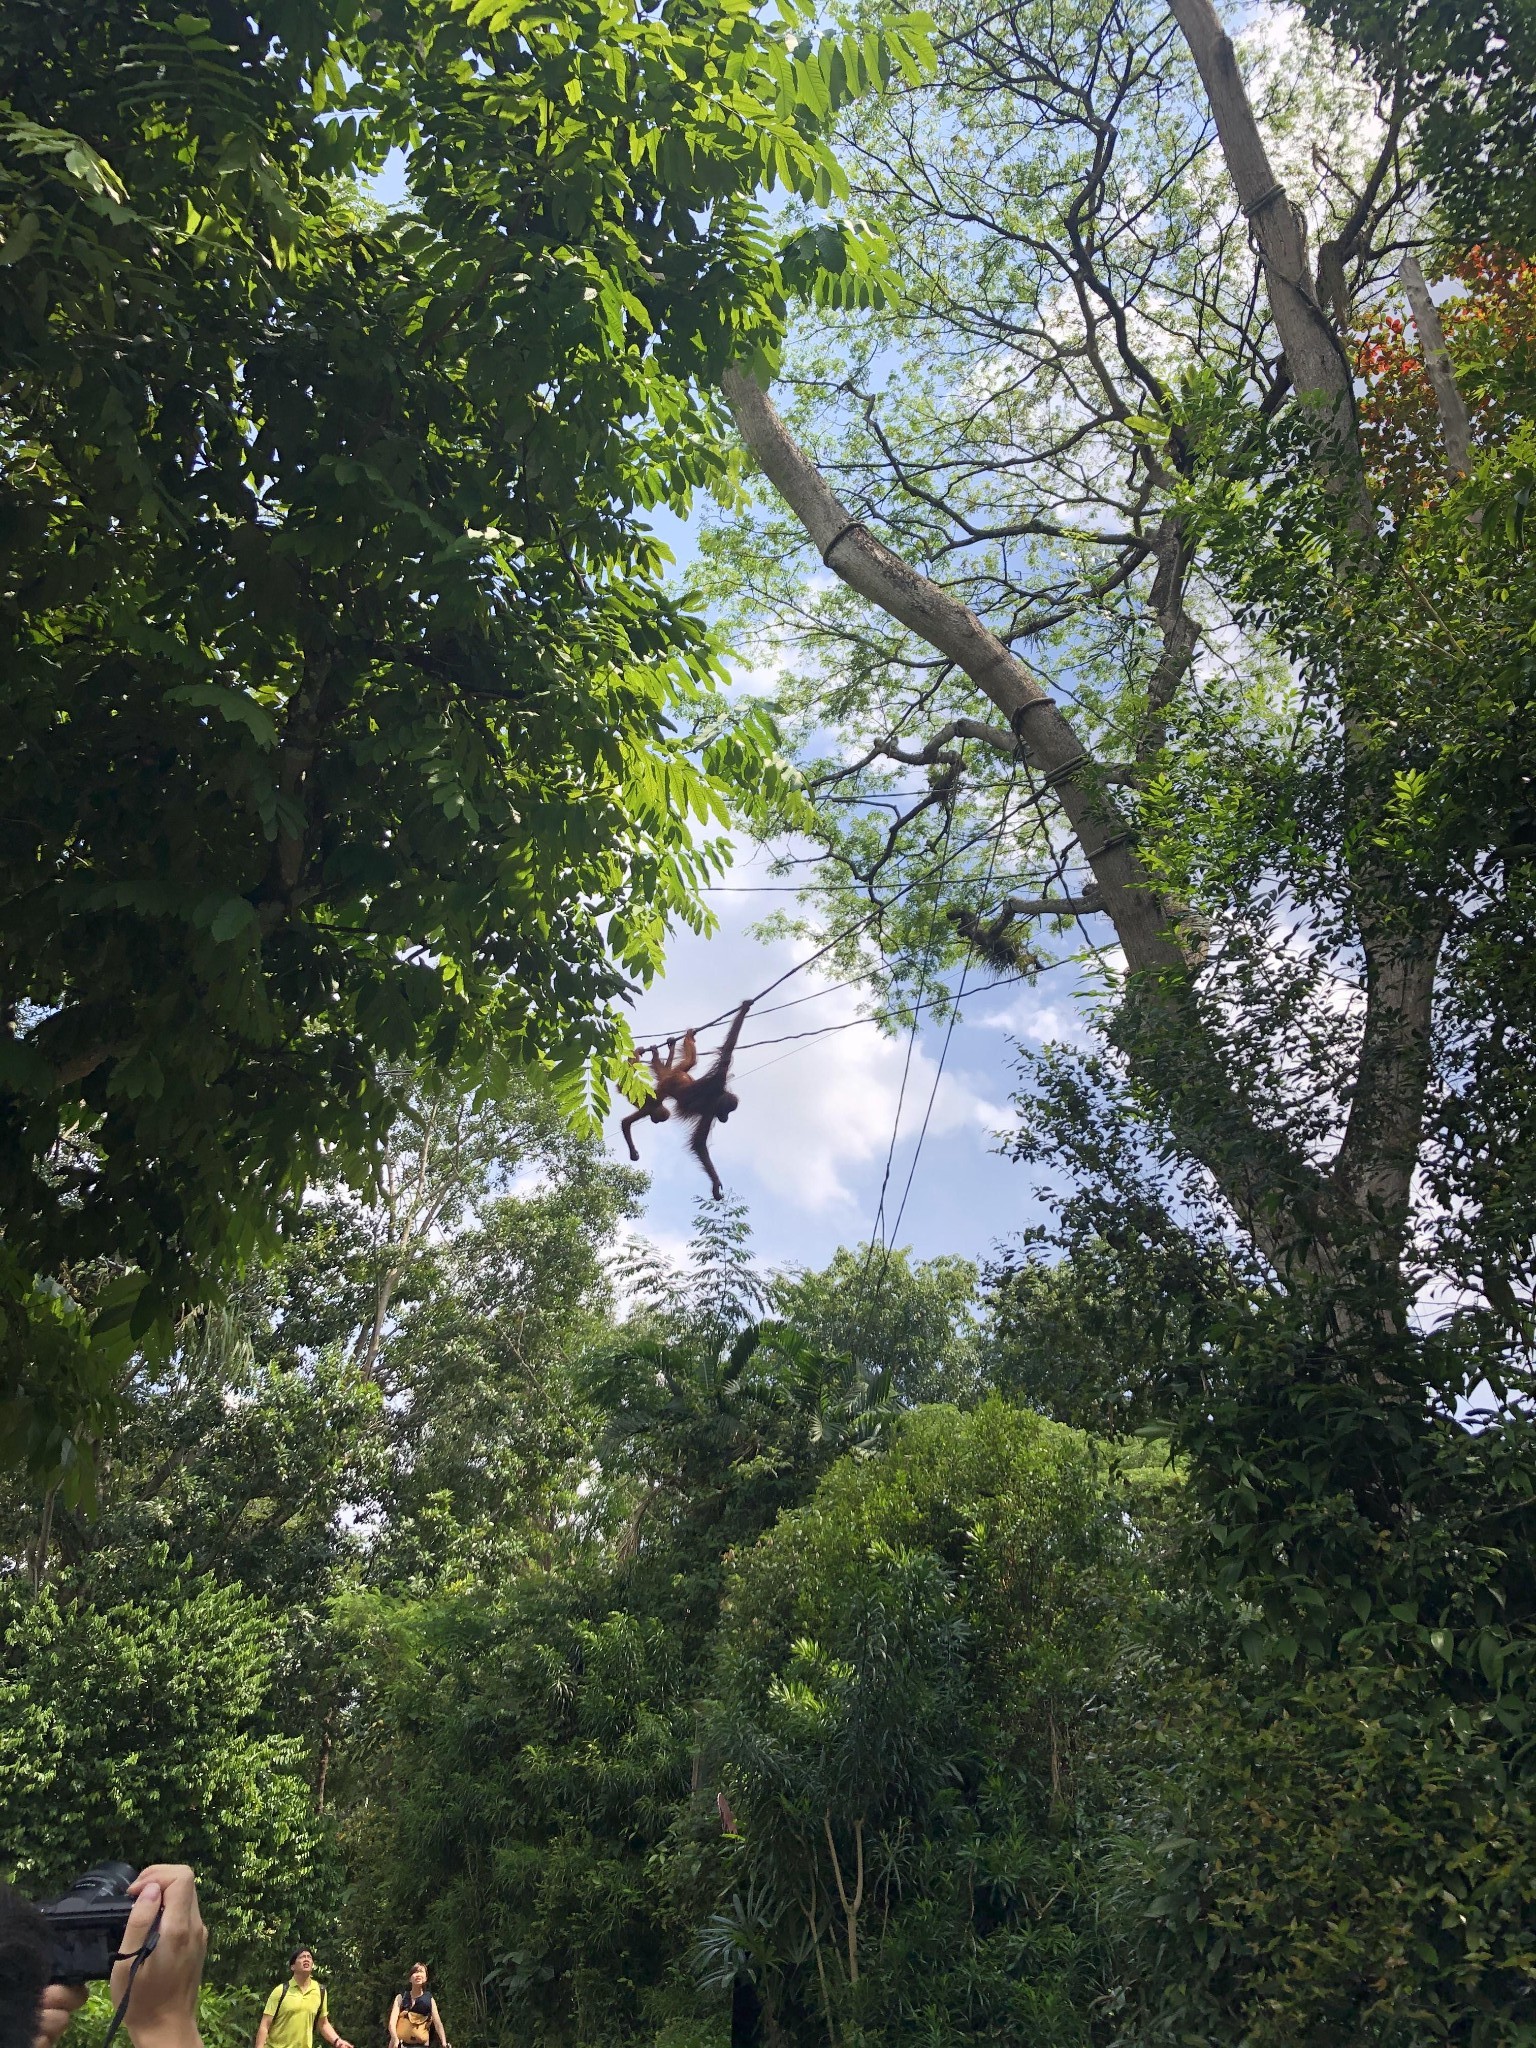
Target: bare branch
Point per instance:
(1087, 904)
(1455, 424)
(977, 729)
(1345, 246)
(1049, 740)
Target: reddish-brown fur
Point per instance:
(701, 1100)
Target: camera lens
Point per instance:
(104, 1881)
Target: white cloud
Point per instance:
(808, 1119)
(1040, 1022)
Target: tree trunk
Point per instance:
(39, 1562)
(851, 1906)
(1455, 425)
(746, 2014)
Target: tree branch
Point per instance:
(1344, 247)
(1088, 904)
(1181, 633)
(1314, 353)
(1455, 424)
(1049, 741)
(932, 750)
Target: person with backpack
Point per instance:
(296, 2011)
(414, 2017)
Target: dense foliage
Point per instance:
(145, 1725)
(908, 1673)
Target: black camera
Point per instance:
(87, 1924)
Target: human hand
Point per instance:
(162, 2012)
(60, 2004)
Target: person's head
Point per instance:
(302, 1964)
(728, 1102)
(418, 1979)
(26, 1957)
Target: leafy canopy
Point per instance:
(348, 716)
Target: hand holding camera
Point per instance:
(162, 2011)
(143, 1932)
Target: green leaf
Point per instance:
(234, 917)
(23, 1069)
(233, 705)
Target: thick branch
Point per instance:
(70, 1073)
(1314, 354)
(931, 752)
(1049, 740)
(1180, 632)
(1455, 425)
(1088, 904)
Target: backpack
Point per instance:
(414, 2029)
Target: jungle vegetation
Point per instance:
(1119, 440)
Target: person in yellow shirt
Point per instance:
(296, 2011)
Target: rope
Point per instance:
(878, 1016)
(938, 1075)
(135, 1958)
(861, 1312)
(1266, 198)
(842, 533)
(849, 932)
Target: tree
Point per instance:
(1211, 659)
(506, 1812)
(352, 724)
(391, 1405)
(141, 1728)
(522, 1789)
(907, 1668)
(493, 1432)
(910, 1322)
(1229, 1118)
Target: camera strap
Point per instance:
(134, 1958)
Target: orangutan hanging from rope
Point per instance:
(702, 1100)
